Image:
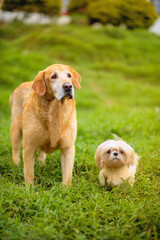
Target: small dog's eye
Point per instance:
(121, 152)
(54, 76)
(109, 151)
(69, 75)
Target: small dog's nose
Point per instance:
(67, 87)
(115, 153)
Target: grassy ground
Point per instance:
(120, 94)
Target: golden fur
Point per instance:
(45, 116)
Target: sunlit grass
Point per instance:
(120, 94)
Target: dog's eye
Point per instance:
(121, 152)
(69, 75)
(109, 151)
(54, 76)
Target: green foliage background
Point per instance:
(75, 5)
(120, 94)
(132, 13)
(45, 6)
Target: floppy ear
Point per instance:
(76, 78)
(39, 85)
(98, 158)
(131, 159)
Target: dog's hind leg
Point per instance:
(41, 157)
(16, 136)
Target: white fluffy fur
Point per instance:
(117, 162)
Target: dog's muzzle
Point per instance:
(115, 155)
(68, 90)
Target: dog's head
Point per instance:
(115, 154)
(57, 81)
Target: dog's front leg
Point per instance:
(67, 161)
(29, 158)
(102, 178)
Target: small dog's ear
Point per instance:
(132, 158)
(76, 78)
(102, 164)
(97, 157)
(39, 85)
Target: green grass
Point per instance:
(120, 94)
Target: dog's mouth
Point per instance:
(115, 158)
(68, 95)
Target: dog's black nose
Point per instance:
(67, 87)
(115, 153)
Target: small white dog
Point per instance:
(117, 161)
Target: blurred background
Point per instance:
(132, 13)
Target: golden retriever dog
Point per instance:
(44, 113)
(117, 162)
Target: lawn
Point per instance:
(120, 94)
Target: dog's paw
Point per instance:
(16, 160)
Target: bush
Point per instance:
(104, 12)
(133, 13)
(52, 6)
(77, 5)
(48, 6)
(33, 6)
(10, 5)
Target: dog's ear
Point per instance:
(76, 78)
(132, 157)
(98, 159)
(39, 85)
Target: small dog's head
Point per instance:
(115, 154)
(56, 81)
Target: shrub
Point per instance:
(138, 13)
(104, 12)
(52, 6)
(77, 5)
(48, 6)
(10, 5)
(133, 13)
(33, 6)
